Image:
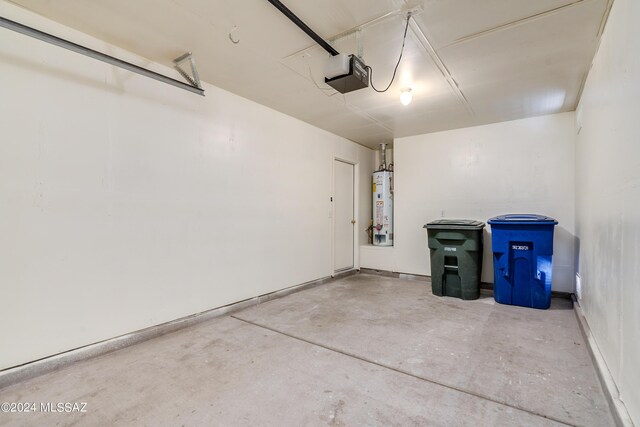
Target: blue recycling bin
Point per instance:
(522, 252)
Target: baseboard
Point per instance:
(395, 275)
(483, 285)
(618, 409)
(48, 364)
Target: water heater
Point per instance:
(383, 203)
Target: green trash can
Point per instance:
(456, 257)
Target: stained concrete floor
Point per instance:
(364, 350)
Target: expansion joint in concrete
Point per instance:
(400, 371)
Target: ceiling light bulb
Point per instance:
(406, 96)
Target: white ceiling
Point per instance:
(468, 62)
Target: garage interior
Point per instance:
(188, 234)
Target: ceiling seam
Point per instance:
(361, 26)
(444, 70)
(513, 24)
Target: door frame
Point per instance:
(356, 211)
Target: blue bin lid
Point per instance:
(519, 219)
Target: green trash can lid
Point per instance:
(455, 224)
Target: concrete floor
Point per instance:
(364, 350)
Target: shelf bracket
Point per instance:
(91, 53)
(194, 78)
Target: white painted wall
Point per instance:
(125, 203)
(377, 257)
(608, 200)
(522, 166)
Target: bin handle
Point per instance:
(542, 277)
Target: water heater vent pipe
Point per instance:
(383, 157)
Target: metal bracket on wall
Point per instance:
(194, 78)
(57, 41)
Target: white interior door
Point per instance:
(343, 216)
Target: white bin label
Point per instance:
(520, 248)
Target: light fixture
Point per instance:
(406, 96)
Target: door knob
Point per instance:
(353, 221)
